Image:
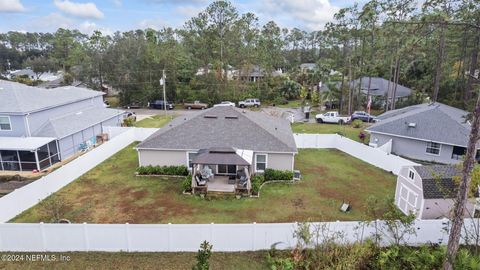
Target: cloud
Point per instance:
(155, 24)
(11, 6)
(312, 14)
(50, 23)
(88, 28)
(85, 10)
(188, 11)
(117, 3)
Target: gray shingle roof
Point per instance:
(20, 98)
(232, 127)
(437, 181)
(380, 87)
(71, 123)
(433, 122)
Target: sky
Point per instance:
(123, 15)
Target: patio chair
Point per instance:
(200, 181)
(207, 173)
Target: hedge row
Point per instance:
(162, 170)
(271, 174)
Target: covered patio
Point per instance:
(27, 153)
(222, 170)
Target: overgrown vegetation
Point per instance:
(180, 170)
(271, 174)
(203, 257)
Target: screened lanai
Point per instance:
(27, 153)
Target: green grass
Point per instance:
(111, 193)
(159, 260)
(291, 104)
(114, 101)
(156, 121)
(344, 130)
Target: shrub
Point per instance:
(128, 122)
(257, 181)
(187, 183)
(163, 170)
(280, 101)
(203, 255)
(357, 123)
(271, 174)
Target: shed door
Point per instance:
(407, 200)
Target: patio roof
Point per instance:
(221, 156)
(23, 143)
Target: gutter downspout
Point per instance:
(28, 125)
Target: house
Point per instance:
(220, 142)
(254, 73)
(431, 132)
(429, 191)
(308, 67)
(39, 127)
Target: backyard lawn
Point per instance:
(346, 130)
(157, 260)
(156, 121)
(111, 193)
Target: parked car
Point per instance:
(332, 117)
(159, 104)
(364, 116)
(250, 102)
(224, 104)
(131, 115)
(133, 105)
(195, 105)
(106, 104)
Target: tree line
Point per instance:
(432, 49)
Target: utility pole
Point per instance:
(162, 82)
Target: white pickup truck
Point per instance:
(332, 117)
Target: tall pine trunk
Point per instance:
(462, 195)
(472, 68)
(438, 69)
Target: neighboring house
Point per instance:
(429, 191)
(209, 69)
(381, 88)
(431, 132)
(27, 72)
(39, 127)
(224, 139)
(253, 73)
(308, 67)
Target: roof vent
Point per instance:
(78, 113)
(210, 116)
(231, 117)
(412, 125)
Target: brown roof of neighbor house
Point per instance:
(231, 127)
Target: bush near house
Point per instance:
(163, 170)
(271, 174)
(187, 183)
(257, 181)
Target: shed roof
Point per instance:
(437, 181)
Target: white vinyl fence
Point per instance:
(376, 157)
(187, 237)
(25, 197)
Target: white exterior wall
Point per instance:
(162, 157)
(408, 192)
(442, 208)
(415, 149)
(282, 162)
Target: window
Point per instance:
(458, 152)
(433, 148)
(260, 162)
(411, 174)
(190, 156)
(5, 123)
(226, 169)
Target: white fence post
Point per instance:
(127, 235)
(169, 236)
(42, 235)
(254, 235)
(85, 237)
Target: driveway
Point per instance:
(287, 113)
